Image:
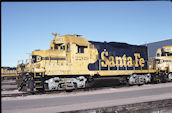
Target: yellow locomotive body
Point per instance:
(164, 58)
(72, 61)
(8, 73)
(65, 56)
(163, 61)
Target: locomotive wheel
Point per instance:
(75, 86)
(89, 83)
(30, 85)
(164, 78)
(156, 79)
(41, 90)
(21, 85)
(127, 82)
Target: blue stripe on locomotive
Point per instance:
(34, 58)
(119, 49)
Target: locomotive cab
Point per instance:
(163, 58)
(163, 61)
(68, 55)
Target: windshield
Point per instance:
(60, 47)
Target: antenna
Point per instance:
(55, 34)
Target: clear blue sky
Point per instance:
(27, 26)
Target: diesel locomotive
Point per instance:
(74, 62)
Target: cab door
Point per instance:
(68, 53)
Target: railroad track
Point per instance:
(159, 106)
(57, 91)
(64, 91)
(12, 83)
(9, 89)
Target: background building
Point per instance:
(155, 45)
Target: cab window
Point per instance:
(56, 47)
(169, 54)
(157, 54)
(62, 48)
(80, 49)
(68, 49)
